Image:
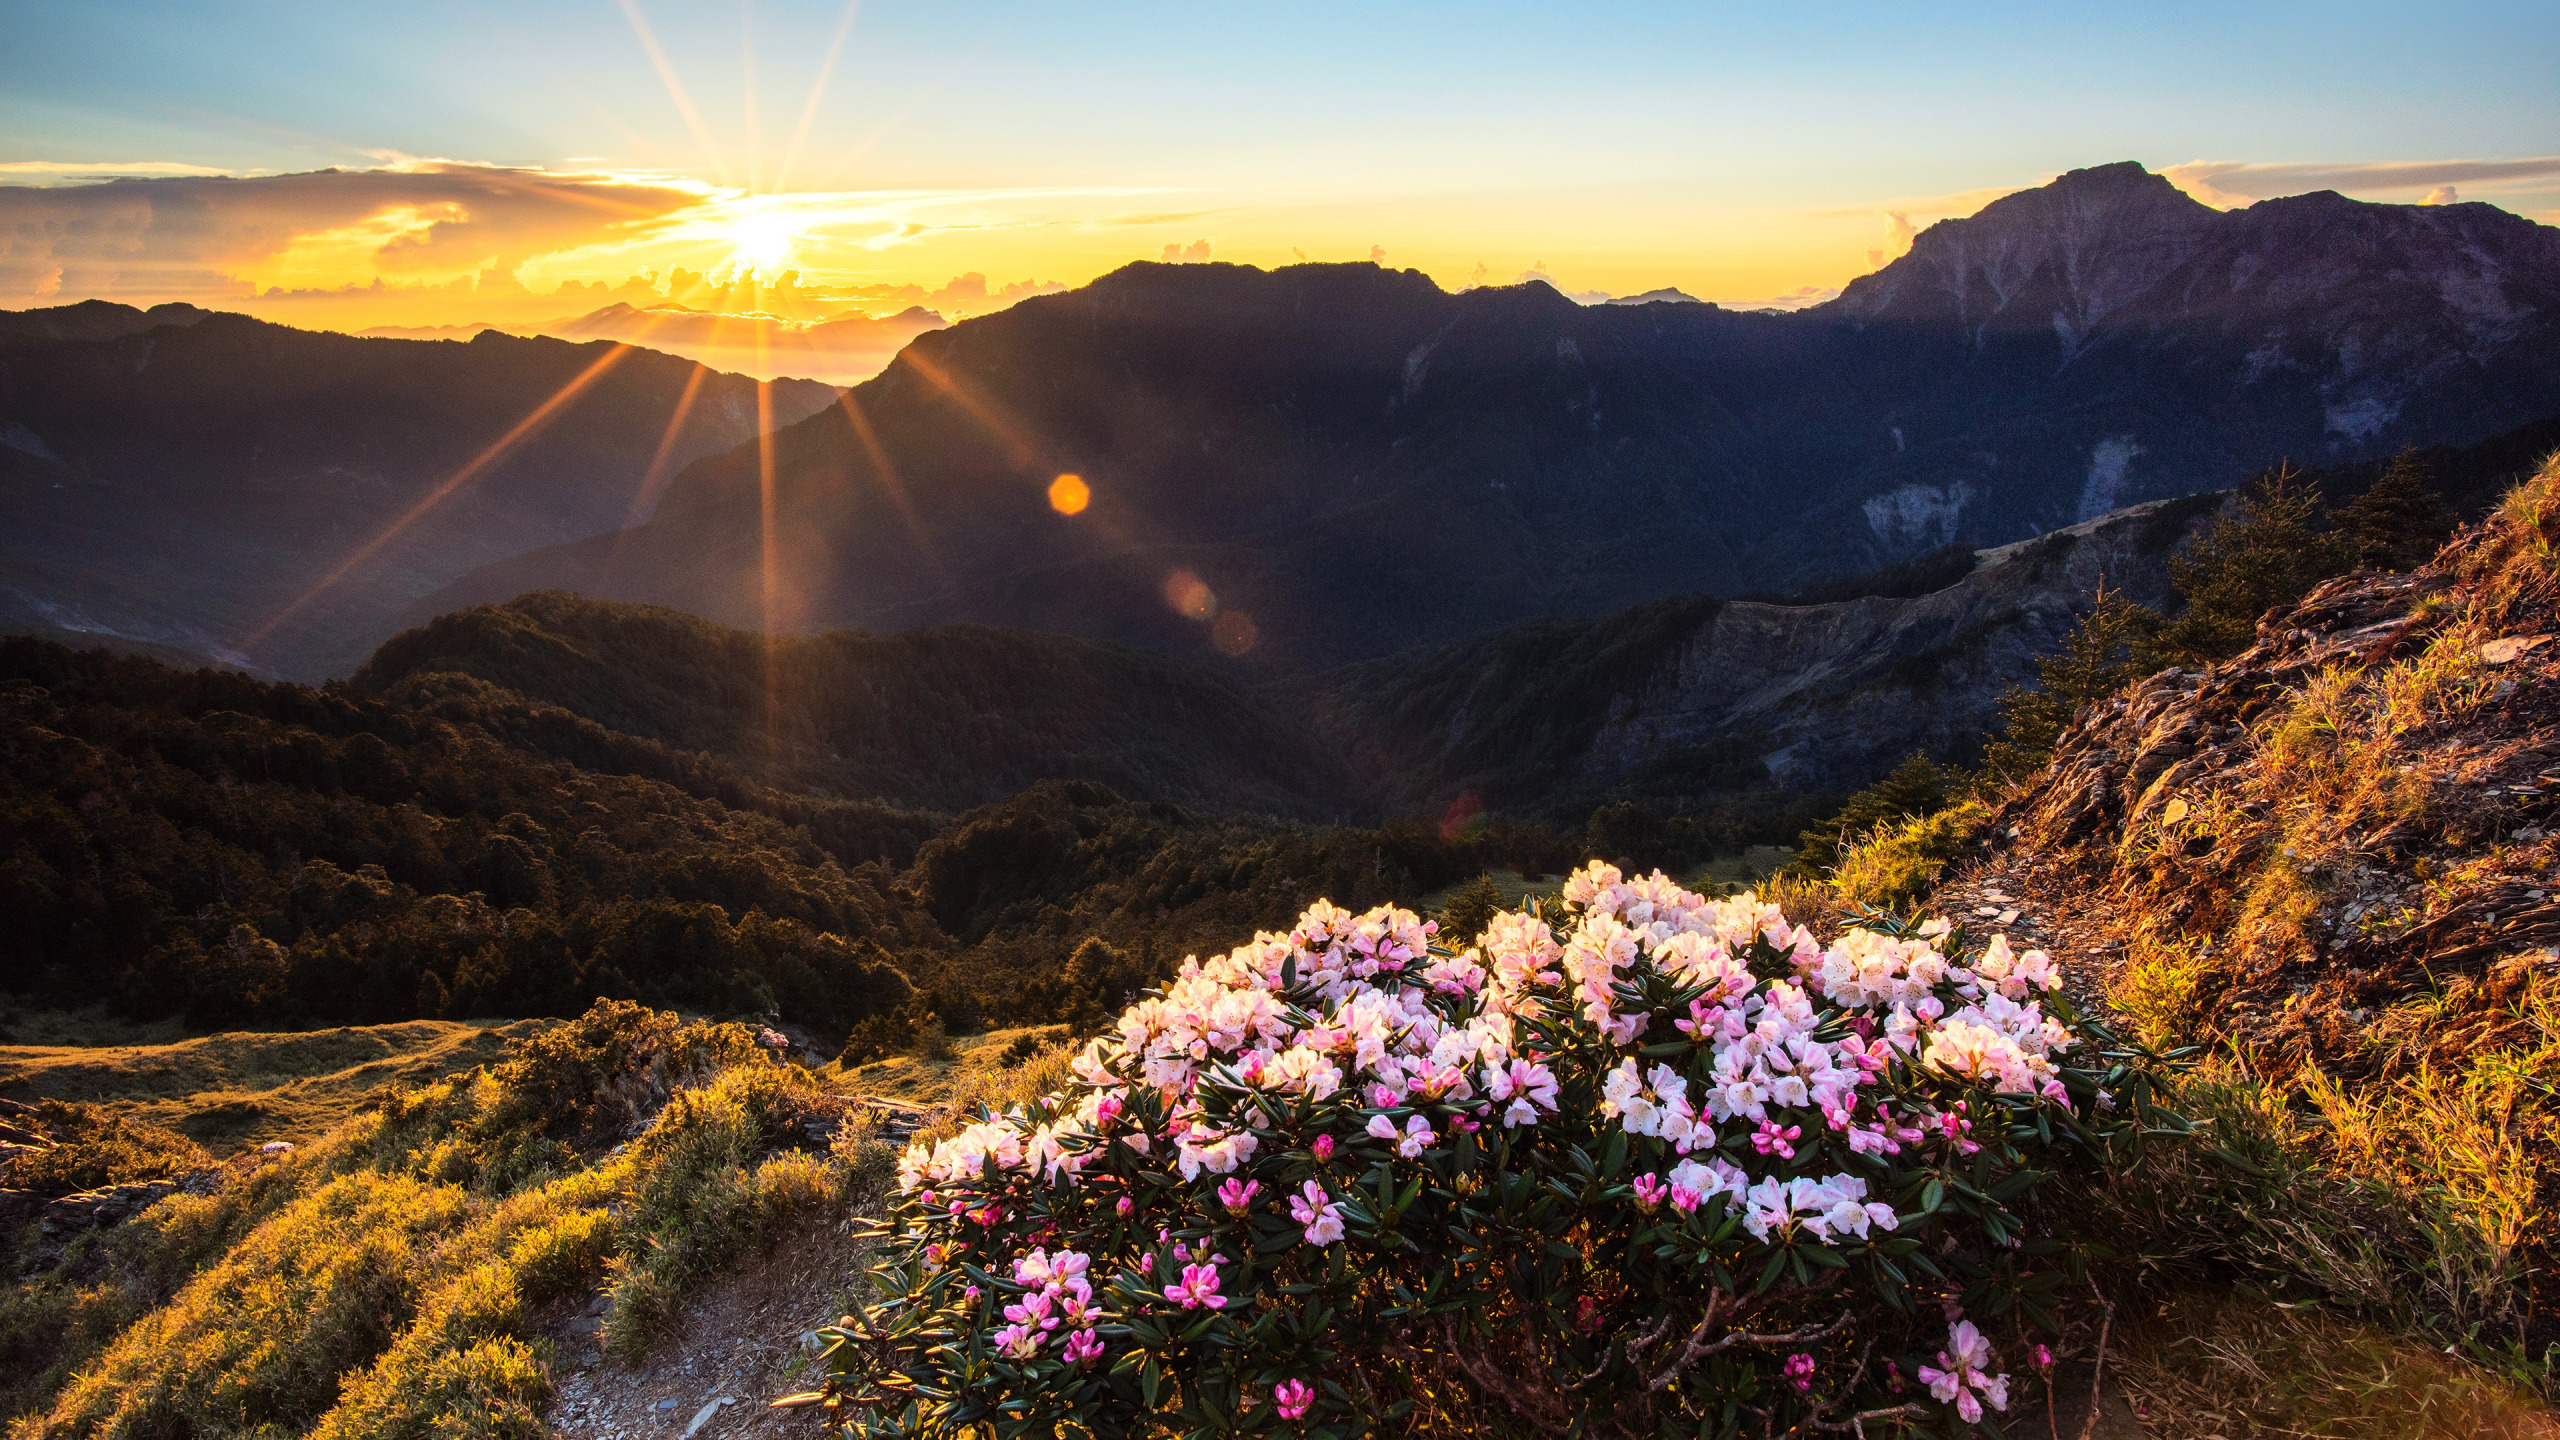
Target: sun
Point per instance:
(762, 241)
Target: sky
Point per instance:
(355, 164)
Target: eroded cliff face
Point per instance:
(1836, 694)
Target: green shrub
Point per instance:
(1328, 1181)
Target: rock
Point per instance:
(2508, 649)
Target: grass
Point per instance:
(398, 1275)
(1897, 864)
(2201, 1364)
(236, 1090)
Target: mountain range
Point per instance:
(1328, 463)
(840, 349)
(273, 496)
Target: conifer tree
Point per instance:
(2400, 521)
(2112, 646)
(1916, 787)
(2271, 553)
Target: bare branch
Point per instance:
(2098, 1370)
(1700, 1347)
(1857, 1423)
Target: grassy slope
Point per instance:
(410, 1272)
(238, 1089)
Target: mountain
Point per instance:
(1340, 462)
(841, 349)
(941, 719)
(1687, 699)
(197, 479)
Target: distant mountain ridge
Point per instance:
(1356, 462)
(183, 477)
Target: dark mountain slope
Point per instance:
(1685, 699)
(184, 477)
(944, 719)
(1358, 462)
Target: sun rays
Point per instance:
(497, 450)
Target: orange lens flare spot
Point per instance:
(1068, 495)
(1233, 632)
(1189, 598)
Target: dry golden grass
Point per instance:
(2200, 1366)
(230, 1091)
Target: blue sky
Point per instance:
(1731, 150)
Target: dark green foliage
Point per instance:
(1508, 716)
(251, 854)
(2270, 553)
(943, 719)
(267, 854)
(1638, 837)
(2111, 647)
(2399, 522)
(1916, 787)
(1468, 910)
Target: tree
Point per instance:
(2400, 520)
(1916, 787)
(1468, 910)
(2271, 553)
(2115, 644)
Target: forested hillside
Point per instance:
(205, 844)
(941, 719)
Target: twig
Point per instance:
(1857, 1424)
(2098, 1368)
(1699, 1347)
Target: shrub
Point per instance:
(1642, 1163)
(1470, 908)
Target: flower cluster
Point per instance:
(1767, 1046)
(1962, 1377)
(1055, 1294)
(1312, 1152)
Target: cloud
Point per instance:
(210, 237)
(1538, 272)
(1377, 254)
(2230, 184)
(2441, 195)
(1795, 299)
(1195, 253)
(66, 172)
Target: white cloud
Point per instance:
(1195, 253)
(2230, 184)
(66, 172)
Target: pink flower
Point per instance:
(1800, 1371)
(1147, 1264)
(1197, 1290)
(1323, 1148)
(2043, 1359)
(1237, 1195)
(1649, 1192)
(1770, 1140)
(971, 1294)
(1684, 1199)
(1294, 1398)
(1126, 1206)
(1314, 1209)
(1107, 1109)
(1415, 1138)
(1083, 1348)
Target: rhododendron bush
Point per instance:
(1640, 1161)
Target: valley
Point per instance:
(539, 874)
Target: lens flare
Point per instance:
(1068, 494)
(1233, 632)
(1189, 597)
